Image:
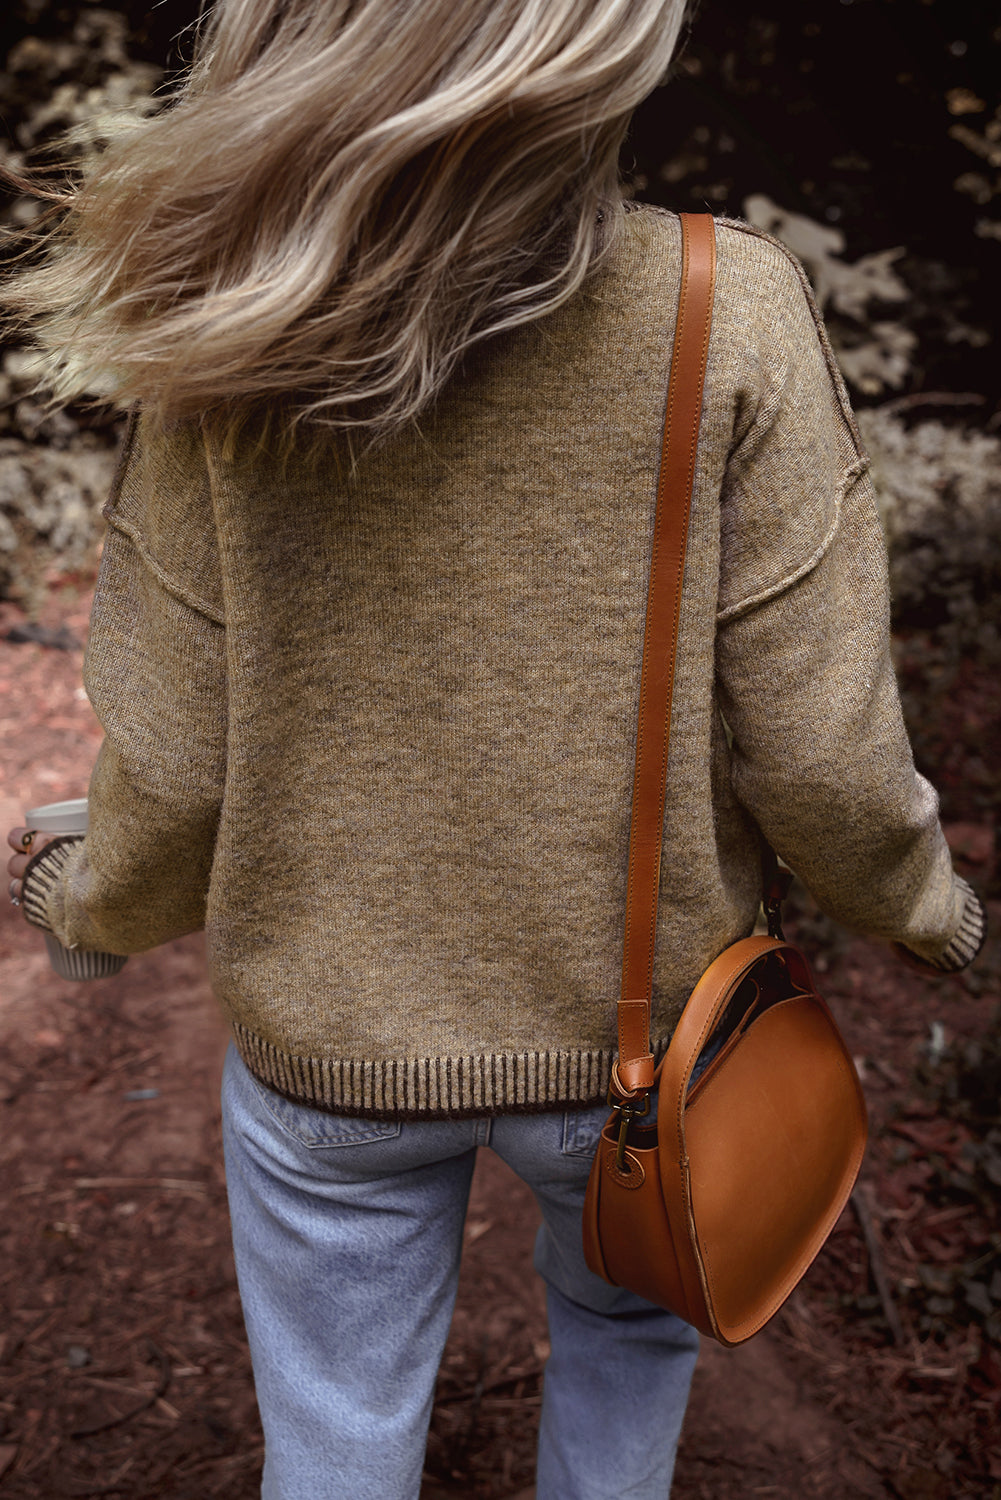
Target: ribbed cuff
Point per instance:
(966, 944)
(41, 877)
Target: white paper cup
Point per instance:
(55, 819)
(58, 817)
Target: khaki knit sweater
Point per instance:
(374, 730)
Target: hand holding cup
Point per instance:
(27, 843)
(50, 822)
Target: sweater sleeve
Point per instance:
(820, 753)
(155, 672)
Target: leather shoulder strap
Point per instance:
(674, 491)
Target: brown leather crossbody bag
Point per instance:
(716, 1209)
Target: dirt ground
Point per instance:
(123, 1366)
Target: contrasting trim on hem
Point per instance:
(970, 938)
(429, 1088)
(967, 943)
(42, 875)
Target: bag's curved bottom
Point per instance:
(725, 1202)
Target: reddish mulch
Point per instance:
(123, 1367)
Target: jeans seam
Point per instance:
(584, 1151)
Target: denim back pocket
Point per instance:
(316, 1129)
(581, 1129)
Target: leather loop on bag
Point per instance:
(715, 1210)
(634, 1067)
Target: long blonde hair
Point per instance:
(344, 197)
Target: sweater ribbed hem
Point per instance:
(970, 938)
(433, 1088)
(41, 877)
(966, 944)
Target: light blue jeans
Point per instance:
(347, 1235)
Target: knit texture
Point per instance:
(373, 725)
(42, 876)
(965, 946)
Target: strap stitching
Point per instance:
(654, 590)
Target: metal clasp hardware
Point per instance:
(628, 1110)
(778, 890)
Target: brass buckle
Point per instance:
(777, 892)
(773, 916)
(628, 1110)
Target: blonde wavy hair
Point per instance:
(343, 197)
